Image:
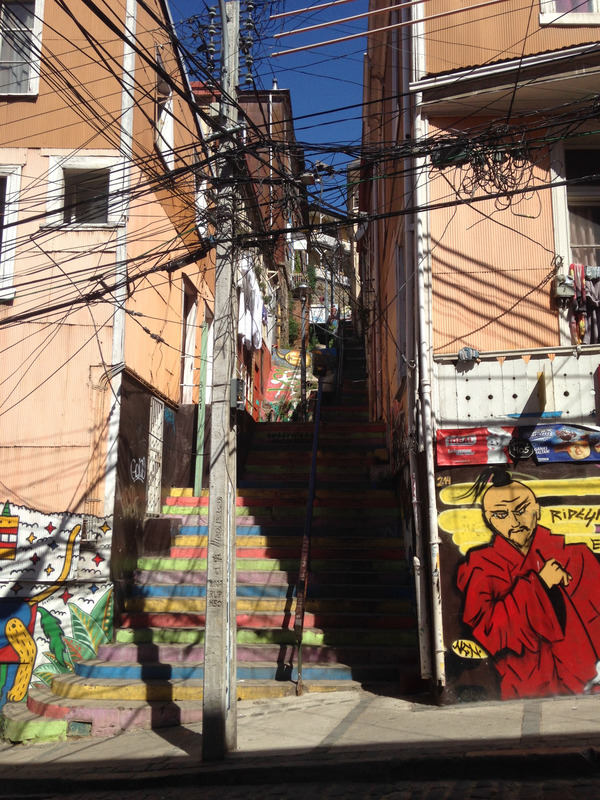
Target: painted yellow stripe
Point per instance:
(563, 487)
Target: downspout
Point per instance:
(120, 293)
(423, 274)
(412, 373)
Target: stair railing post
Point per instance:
(305, 553)
(219, 721)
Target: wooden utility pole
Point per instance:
(219, 724)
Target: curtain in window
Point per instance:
(565, 6)
(585, 234)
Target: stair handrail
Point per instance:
(302, 584)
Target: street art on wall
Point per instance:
(522, 582)
(283, 392)
(55, 595)
(548, 443)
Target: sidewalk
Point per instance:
(341, 736)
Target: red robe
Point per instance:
(542, 644)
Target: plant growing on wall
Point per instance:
(294, 331)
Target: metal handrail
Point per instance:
(305, 553)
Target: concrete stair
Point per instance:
(360, 627)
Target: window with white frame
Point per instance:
(86, 196)
(583, 202)
(570, 12)
(83, 191)
(20, 43)
(164, 119)
(10, 186)
(576, 214)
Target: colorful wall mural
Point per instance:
(56, 599)
(519, 523)
(282, 395)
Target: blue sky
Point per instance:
(319, 80)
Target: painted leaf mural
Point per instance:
(88, 632)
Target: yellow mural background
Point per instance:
(578, 523)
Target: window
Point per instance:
(583, 201)
(164, 127)
(10, 184)
(86, 196)
(20, 29)
(83, 191)
(570, 12)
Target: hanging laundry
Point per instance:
(578, 317)
(250, 308)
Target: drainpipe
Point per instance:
(423, 274)
(120, 293)
(412, 370)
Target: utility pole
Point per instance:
(219, 723)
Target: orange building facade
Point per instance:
(106, 292)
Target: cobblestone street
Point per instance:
(575, 789)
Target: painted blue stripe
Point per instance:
(283, 672)
(168, 590)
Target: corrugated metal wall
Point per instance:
(489, 260)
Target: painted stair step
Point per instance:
(197, 605)
(188, 637)
(321, 535)
(269, 496)
(75, 687)
(254, 537)
(135, 671)
(283, 589)
(274, 507)
(116, 692)
(175, 576)
(324, 620)
(111, 716)
(101, 671)
(22, 726)
(156, 563)
(282, 636)
(150, 653)
(280, 589)
(277, 551)
(298, 512)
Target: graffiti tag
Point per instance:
(590, 515)
(137, 469)
(465, 648)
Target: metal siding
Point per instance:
(48, 413)
(463, 40)
(486, 263)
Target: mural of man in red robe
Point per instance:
(532, 601)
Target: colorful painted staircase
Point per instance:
(359, 624)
